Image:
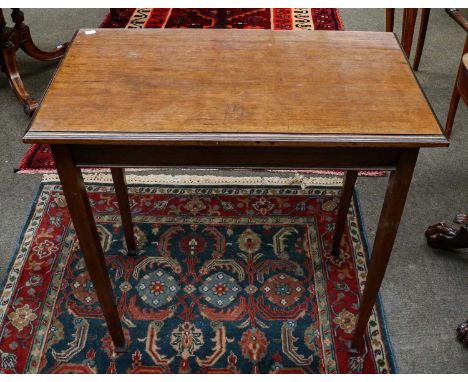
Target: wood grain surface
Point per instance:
(258, 82)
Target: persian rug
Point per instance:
(230, 278)
(38, 158)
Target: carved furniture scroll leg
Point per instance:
(395, 197)
(445, 237)
(11, 71)
(118, 176)
(85, 227)
(8, 65)
(345, 201)
(27, 44)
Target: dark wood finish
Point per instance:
(342, 217)
(407, 30)
(85, 227)
(221, 17)
(9, 45)
(218, 81)
(460, 88)
(409, 21)
(118, 176)
(395, 198)
(443, 236)
(235, 156)
(220, 103)
(404, 23)
(455, 14)
(425, 12)
(462, 80)
(26, 43)
(11, 39)
(115, 14)
(236, 139)
(390, 19)
(462, 333)
(454, 101)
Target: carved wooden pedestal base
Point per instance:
(11, 39)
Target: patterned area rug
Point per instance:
(38, 159)
(229, 279)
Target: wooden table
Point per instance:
(234, 98)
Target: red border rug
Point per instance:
(240, 18)
(229, 279)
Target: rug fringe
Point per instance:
(304, 181)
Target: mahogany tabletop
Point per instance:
(235, 86)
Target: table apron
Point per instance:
(235, 157)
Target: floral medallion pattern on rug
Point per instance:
(228, 280)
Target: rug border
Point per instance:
(339, 19)
(105, 21)
(21, 236)
(379, 302)
(357, 204)
(294, 180)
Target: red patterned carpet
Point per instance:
(241, 18)
(38, 158)
(229, 279)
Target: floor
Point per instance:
(424, 291)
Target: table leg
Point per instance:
(345, 201)
(85, 227)
(409, 21)
(421, 37)
(395, 197)
(118, 176)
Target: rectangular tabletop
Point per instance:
(151, 86)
